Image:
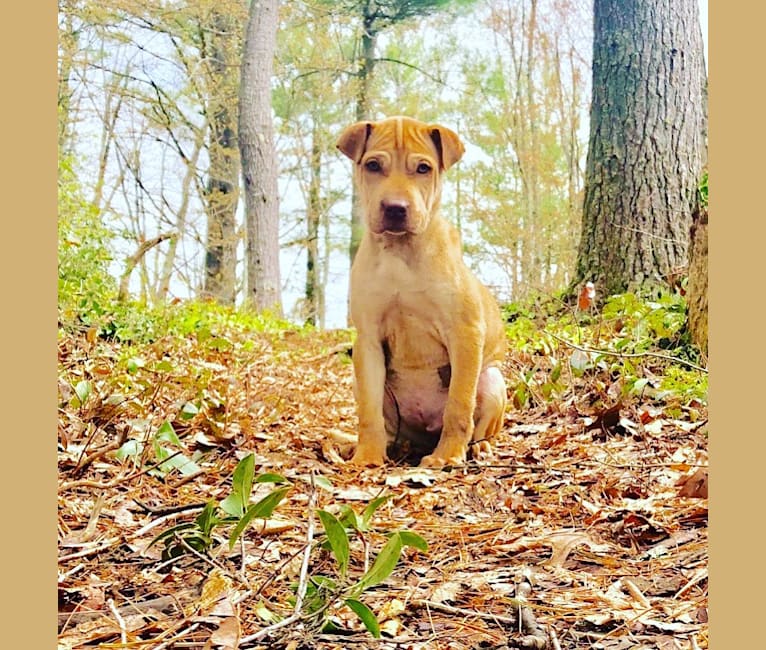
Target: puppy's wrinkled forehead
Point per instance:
(401, 134)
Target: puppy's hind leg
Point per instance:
(490, 411)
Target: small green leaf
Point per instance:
(348, 517)
(130, 448)
(262, 510)
(170, 532)
(324, 483)
(317, 480)
(269, 477)
(233, 505)
(338, 539)
(83, 390)
(206, 520)
(413, 539)
(366, 616)
(163, 366)
(166, 433)
(266, 506)
(134, 364)
(383, 565)
(323, 582)
(639, 385)
(183, 464)
(372, 506)
(188, 411)
(241, 486)
(556, 372)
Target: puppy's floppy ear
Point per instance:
(448, 145)
(353, 140)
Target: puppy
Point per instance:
(430, 338)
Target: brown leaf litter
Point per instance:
(587, 529)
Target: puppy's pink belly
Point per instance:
(421, 411)
(417, 400)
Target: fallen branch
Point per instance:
(145, 608)
(628, 355)
(134, 259)
(344, 348)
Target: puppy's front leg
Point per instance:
(369, 386)
(465, 353)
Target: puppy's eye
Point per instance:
(423, 168)
(372, 166)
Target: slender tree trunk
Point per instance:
(646, 142)
(169, 262)
(114, 95)
(314, 287)
(259, 159)
(367, 63)
(67, 47)
(222, 193)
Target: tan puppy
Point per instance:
(429, 335)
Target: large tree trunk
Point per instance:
(259, 158)
(646, 150)
(222, 194)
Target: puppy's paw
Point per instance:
(437, 461)
(481, 450)
(365, 457)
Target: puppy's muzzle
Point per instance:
(394, 213)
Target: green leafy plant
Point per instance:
(86, 289)
(631, 334)
(326, 593)
(167, 448)
(234, 511)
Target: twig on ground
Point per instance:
(336, 349)
(83, 464)
(302, 580)
(120, 621)
(629, 355)
(117, 481)
(178, 636)
(210, 561)
(449, 609)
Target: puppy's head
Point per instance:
(398, 166)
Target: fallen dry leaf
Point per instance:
(228, 634)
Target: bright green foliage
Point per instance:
(233, 510)
(197, 534)
(640, 342)
(325, 592)
(168, 450)
(209, 323)
(702, 191)
(85, 287)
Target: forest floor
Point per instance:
(588, 528)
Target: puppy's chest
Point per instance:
(412, 332)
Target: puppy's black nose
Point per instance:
(394, 214)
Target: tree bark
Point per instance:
(221, 194)
(367, 63)
(646, 149)
(314, 288)
(697, 288)
(259, 159)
